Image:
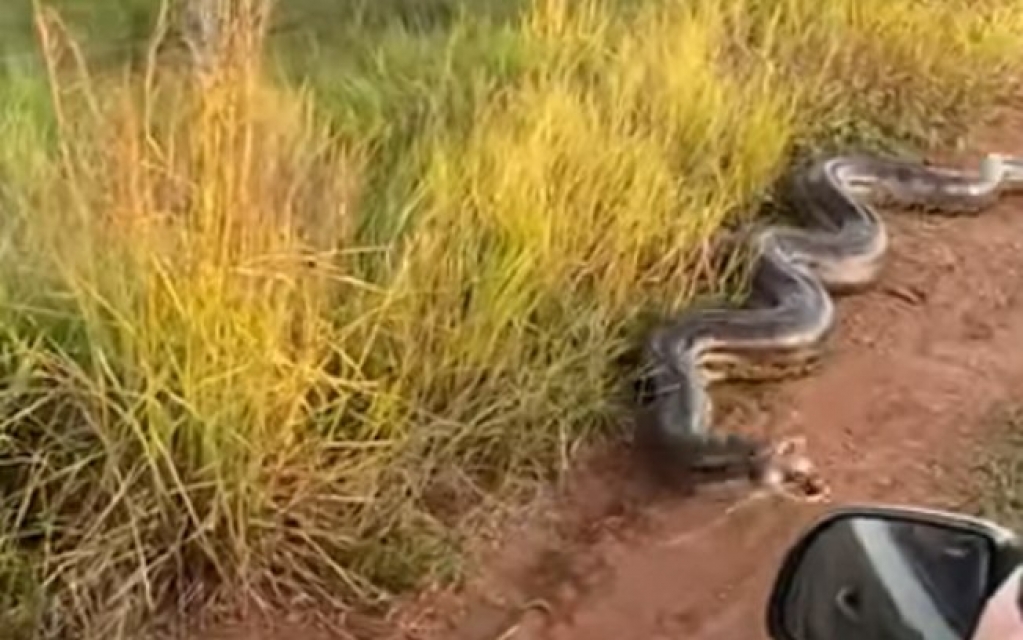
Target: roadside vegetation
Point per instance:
(999, 472)
(290, 325)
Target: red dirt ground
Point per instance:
(894, 416)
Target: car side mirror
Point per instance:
(884, 572)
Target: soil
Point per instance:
(896, 415)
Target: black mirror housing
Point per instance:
(998, 547)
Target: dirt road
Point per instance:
(917, 367)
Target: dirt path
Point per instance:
(917, 366)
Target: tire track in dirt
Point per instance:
(894, 415)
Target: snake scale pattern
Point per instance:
(784, 326)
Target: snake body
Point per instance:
(785, 326)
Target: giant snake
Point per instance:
(790, 314)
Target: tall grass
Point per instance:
(280, 331)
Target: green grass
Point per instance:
(996, 493)
(286, 331)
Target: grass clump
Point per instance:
(271, 331)
(1000, 470)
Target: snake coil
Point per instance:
(784, 326)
